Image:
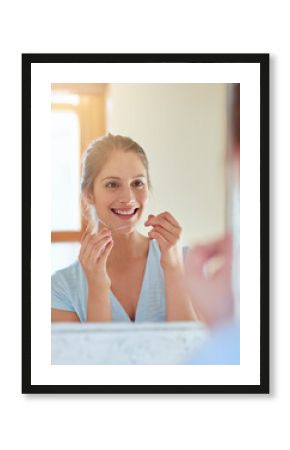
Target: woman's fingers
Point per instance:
(170, 218)
(148, 222)
(96, 250)
(163, 222)
(154, 234)
(91, 237)
(168, 237)
(168, 223)
(101, 250)
(85, 233)
(106, 251)
(90, 241)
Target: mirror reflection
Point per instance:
(141, 174)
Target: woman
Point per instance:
(121, 275)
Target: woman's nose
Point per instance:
(127, 195)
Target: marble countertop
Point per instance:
(122, 343)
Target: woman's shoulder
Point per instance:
(68, 274)
(68, 289)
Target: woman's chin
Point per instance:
(124, 229)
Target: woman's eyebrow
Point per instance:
(110, 178)
(118, 178)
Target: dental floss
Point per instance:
(97, 220)
(115, 229)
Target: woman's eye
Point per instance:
(111, 185)
(114, 185)
(138, 183)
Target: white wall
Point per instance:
(182, 128)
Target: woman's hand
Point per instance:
(167, 231)
(94, 252)
(208, 277)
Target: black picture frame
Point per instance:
(263, 61)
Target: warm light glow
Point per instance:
(65, 98)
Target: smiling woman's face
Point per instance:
(121, 191)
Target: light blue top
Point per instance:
(69, 291)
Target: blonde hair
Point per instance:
(97, 154)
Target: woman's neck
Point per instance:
(130, 246)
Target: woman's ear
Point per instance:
(89, 198)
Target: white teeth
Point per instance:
(124, 213)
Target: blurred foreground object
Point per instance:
(213, 270)
(208, 277)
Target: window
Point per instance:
(77, 117)
(65, 163)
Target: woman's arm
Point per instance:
(167, 231)
(99, 306)
(58, 315)
(95, 249)
(98, 309)
(179, 306)
(93, 256)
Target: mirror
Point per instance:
(184, 130)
